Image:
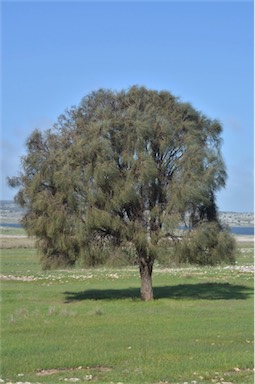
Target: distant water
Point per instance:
(242, 230)
(12, 225)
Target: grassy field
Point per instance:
(90, 325)
(14, 231)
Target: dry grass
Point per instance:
(16, 242)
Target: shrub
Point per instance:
(206, 245)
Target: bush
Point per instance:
(166, 254)
(208, 244)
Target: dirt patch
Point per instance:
(53, 371)
(7, 242)
(48, 372)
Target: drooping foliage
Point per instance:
(123, 167)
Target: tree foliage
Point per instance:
(124, 167)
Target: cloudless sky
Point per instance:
(54, 53)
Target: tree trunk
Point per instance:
(146, 279)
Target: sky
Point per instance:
(56, 52)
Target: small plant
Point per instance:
(98, 312)
(52, 311)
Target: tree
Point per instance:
(121, 167)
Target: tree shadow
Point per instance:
(201, 291)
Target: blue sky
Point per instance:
(54, 53)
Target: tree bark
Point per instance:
(146, 279)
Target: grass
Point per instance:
(90, 325)
(14, 231)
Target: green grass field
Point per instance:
(90, 325)
(12, 231)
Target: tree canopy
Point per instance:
(125, 167)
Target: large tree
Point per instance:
(122, 167)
